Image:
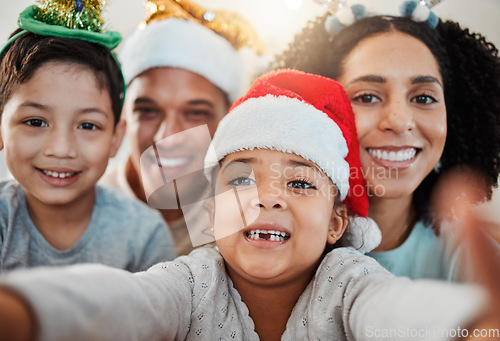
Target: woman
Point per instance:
(426, 100)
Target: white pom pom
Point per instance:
(421, 13)
(345, 16)
(332, 25)
(362, 234)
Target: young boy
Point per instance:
(61, 97)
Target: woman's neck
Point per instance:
(135, 183)
(270, 307)
(62, 225)
(395, 218)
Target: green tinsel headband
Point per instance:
(29, 20)
(28, 23)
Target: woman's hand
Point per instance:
(455, 195)
(16, 319)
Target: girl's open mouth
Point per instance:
(269, 235)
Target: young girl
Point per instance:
(61, 93)
(277, 207)
(425, 97)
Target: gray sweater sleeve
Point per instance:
(380, 307)
(405, 310)
(90, 302)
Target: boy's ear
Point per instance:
(117, 139)
(209, 206)
(338, 224)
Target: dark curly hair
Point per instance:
(470, 68)
(30, 51)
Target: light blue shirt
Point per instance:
(422, 255)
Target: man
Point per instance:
(183, 70)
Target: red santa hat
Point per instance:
(310, 116)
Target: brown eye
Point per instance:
(88, 126)
(146, 112)
(424, 99)
(197, 115)
(36, 122)
(366, 98)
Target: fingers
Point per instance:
(457, 192)
(455, 199)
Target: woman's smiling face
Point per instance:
(396, 90)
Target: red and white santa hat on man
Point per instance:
(310, 116)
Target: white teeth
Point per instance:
(275, 236)
(60, 175)
(171, 162)
(399, 156)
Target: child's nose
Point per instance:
(269, 197)
(60, 143)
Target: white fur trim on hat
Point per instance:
(187, 45)
(288, 125)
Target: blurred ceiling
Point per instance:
(276, 21)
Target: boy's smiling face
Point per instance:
(288, 216)
(57, 132)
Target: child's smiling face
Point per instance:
(288, 208)
(57, 132)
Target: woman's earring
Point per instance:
(437, 167)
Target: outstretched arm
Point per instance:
(95, 302)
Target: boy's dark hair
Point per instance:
(470, 68)
(30, 51)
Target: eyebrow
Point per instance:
(34, 105)
(297, 163)
(147, 100)
(381, 80)
(368, 78)
(426, 79)
(201, 102)
(47, 108)
(250, 160)
(293, 163)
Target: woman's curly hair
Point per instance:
(470, 68)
